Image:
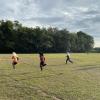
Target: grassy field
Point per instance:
(58, 81)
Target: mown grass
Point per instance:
(58, 81)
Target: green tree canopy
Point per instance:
(15, 37)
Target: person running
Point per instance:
(68, 58)
(15, 59)
(42, 61)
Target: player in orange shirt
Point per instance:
(15, 59)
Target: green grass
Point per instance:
(58, 81)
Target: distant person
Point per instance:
(68, 58)
(15, 59)
(42, 61)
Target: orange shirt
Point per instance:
(15, 59)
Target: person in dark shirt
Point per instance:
(42, 61)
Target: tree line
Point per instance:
(16, 37)
(96, 50)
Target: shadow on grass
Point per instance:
(89, 68)
(4, 69)
(16, 74)
(13, 76)
(33, 89)
(57, 65)
(37, 77)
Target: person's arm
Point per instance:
(44, 58)
(12, 57)
(17, 58)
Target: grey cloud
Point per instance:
(46, 20)
(92, 12)
(94, 20)
(72, 14)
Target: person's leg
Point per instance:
(70, 61)
(41, 66)
(44, 64)
(66, 60)
(13, 65)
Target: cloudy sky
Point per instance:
(74, 15)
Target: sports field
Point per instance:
(57, 81)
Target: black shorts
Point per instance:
(14, 63)
(42, 63)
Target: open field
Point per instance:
(58, 81)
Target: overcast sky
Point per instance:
(75, 15)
